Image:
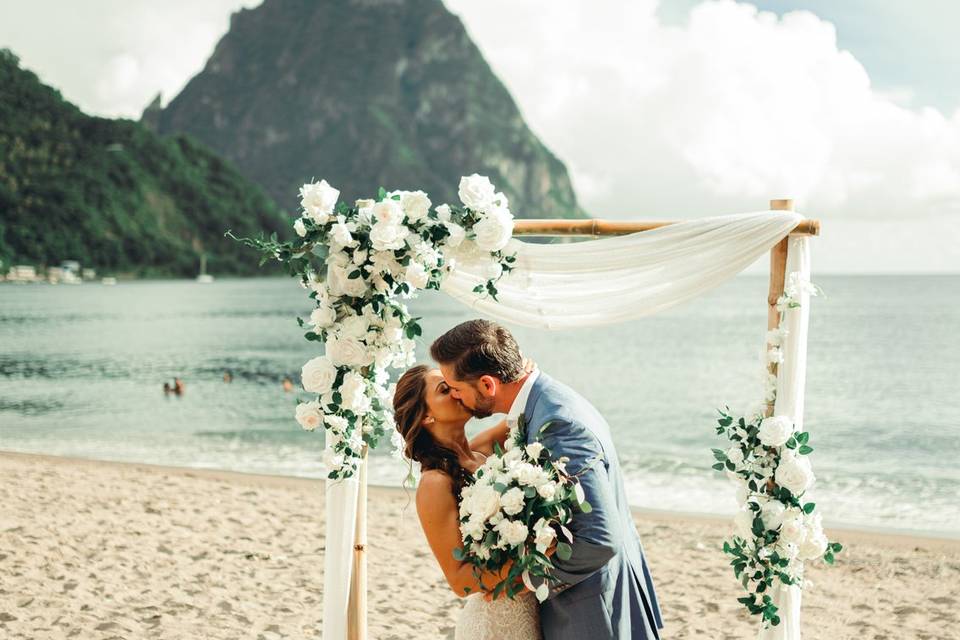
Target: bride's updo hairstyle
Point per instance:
(409, 410)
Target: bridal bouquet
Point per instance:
(515, 510)
(360, 262)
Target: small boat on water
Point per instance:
(108, 281)
(204, 277)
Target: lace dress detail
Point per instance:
(502, 619)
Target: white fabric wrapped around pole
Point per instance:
(341, 508)
(791, 381)
(610, 280)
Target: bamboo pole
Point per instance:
(778, 269)
(592, 227)
(357, 609)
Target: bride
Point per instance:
(431, 422)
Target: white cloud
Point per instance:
(111, 58)
(721, 114)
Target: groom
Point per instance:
(606, 590)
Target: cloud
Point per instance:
(725, 112)
(111, 58)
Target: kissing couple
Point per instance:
(604, 588)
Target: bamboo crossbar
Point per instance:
(593, 227)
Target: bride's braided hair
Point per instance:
(409, 410)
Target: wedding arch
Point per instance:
(359, 262)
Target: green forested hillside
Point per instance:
(114, 195)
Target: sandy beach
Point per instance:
(97, 550)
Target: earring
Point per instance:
(429, 420)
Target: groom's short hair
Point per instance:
(478, 348)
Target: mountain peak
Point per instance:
(365, 93)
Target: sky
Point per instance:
(660, 110)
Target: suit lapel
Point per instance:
(535, 392)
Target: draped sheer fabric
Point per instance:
(610, 280)
(598, 282)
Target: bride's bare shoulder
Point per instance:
(434, 480)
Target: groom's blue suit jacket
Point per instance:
(611, 593)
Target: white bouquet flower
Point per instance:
(517, 507)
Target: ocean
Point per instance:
(82, 369)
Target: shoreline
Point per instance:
(892, 536)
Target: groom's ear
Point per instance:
(488, 385)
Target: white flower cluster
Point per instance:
(516, 505)
(358, 264)
(775, 530)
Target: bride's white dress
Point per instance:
(502, 619)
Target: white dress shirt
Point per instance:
(520, 402)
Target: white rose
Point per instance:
(472, 528)
(457, 234)
(772, 514)
(476, 192)
(299, 227)
(544, 536)
(531, 475)
(347, 351)
(416, 204)
(735, 455)
(813, 546)
(512, 532)
(309, 416)
(492, 270)
(743, 524)
(416, 276)
(338, 425)
(388, 212)
(353, 393)
(512, 501)
(333, 461)
(318, 375)
(775, 431)
(444, 213)
(340, 283)
(318, 200)
(354, 327)
(341, 232)
(794, 473)
(775, 355)
(388, 237)
(323, 316)
(534, 449)
(547, 490)
(793, 531)
(484, 503)
(513, 455)
(494, 230)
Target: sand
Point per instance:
(96, 550)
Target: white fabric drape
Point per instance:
(601, 282)
(791, 377)
(610, 280)
(341, 508)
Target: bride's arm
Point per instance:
(440, 519)
(483, 441)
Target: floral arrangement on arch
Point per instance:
(360, 263)
(775, 530)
